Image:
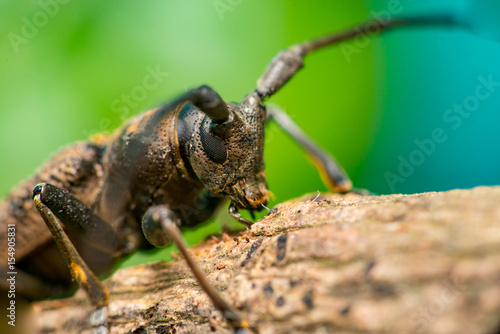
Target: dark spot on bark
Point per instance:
(308, 300)
(293, 283)
(139, 330)
(149, 313)
(268, 290)
(345, 311)
(383, 289)
(281, 247)
(399, 217)
(369, 267)
(252, 250)
(55, 178)
(280, 301)
(17, 206)
(165, 329)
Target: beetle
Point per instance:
(167, 167)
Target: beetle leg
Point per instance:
(49, 199)
(80, 219)
(233, 212)
(161, 220)
(331, 172)
(52, 202)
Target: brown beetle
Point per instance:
(167, 167)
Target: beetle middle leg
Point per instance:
(332, 173)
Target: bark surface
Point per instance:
(425, 263)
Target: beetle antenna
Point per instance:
(372, 27)
(287, 62)
(204, 98)
(212, 104)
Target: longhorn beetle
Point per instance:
(133, 189)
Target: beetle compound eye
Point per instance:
(213, 146)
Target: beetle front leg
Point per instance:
(332, 173)
(49, 199)
(233, 212)
(160, 226)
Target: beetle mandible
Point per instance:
(134, 189)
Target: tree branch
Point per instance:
(379, 264)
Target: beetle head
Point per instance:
(227, 157)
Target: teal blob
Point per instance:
(435, 80)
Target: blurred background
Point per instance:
(412, 110)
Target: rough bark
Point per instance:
(425, 263)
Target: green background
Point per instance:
(59, 84)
